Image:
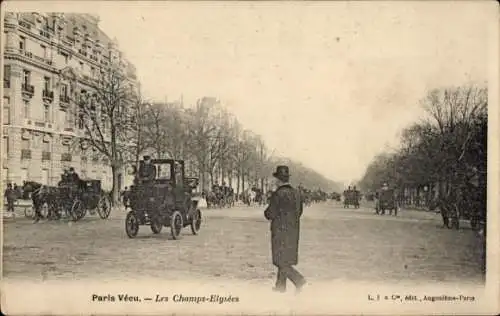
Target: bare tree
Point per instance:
(106, 114)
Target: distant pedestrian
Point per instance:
(11, 196)
(284, 212)
(125, 195)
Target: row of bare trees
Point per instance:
(442, 154)
(215, 146)
(122, 127)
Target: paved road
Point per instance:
(336, 244)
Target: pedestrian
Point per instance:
(125, 195)
(11, 196)
(284, 211)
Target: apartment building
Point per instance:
(47, 55)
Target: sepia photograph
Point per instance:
(249, 157)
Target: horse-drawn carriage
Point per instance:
(386, 201)
(71, 199)
(351, 197)
(167, 200)
(87, 195)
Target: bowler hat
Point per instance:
(147, 157)
(282, 173)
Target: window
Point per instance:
(26, 109)
(6, 115)
(6, 110)
(80, 121)
(164, 171)
(44, 51)
(68, 118)
(81, 65)
(6, 76)
(46, 83)
(5, 147)
(46, 146)
(26, 77)
(92, 72)
(22, 43)
(46, 113)
(64, 90)
(26, 144)
(66, 149)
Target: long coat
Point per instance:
(147, 172)
(284, 211)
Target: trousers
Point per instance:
(289, 272)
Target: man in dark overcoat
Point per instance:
(147, 171)
(11, 196)
(284, 211)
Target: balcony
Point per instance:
(48, 96)
(46, 155)
(66, 157)
(94, 58)
(27, 90)
(69, 129)
(25, 24)
(25, 153)
(82, 52)
(45, 34)
(27, 53)
(63, 101)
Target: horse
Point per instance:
(44, 198)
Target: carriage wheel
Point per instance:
(176, 224)
(44, 210)
(104, 207)
(29, 212)
(156, 225)
(131, 224)
(196, 222)
(77, 210)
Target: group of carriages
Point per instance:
(72, 198)
(309, 196)
(220, 196)
(351, 197)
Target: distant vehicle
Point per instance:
(351, 197)
(386, 200)
(166, 201)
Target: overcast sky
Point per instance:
(328, 84)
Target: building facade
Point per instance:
(46, 56)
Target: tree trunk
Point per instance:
(238, 184)
(115, 190)
(242, 182)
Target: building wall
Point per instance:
(38, 129)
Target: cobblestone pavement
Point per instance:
(336, 244)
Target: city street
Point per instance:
(336, 244)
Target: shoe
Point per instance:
(279, 289)
(300, 286)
